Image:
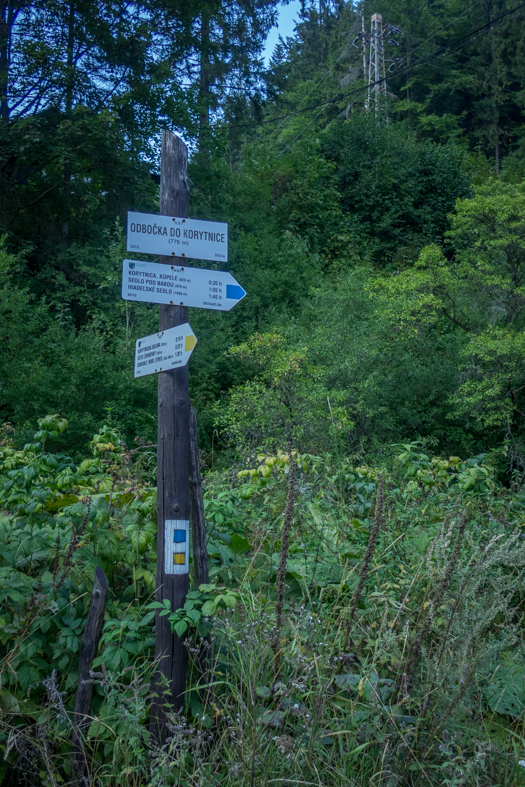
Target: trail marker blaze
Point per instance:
(176, 546)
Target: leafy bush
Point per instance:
(400, 651)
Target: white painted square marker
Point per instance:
(176, 546)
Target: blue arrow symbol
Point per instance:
(235, 292)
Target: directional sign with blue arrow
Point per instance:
(153, 282)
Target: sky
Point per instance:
(288, 14)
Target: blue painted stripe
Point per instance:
(235, 292)
(179, 536)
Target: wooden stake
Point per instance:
(198, 526)
(84, 693)
(201, 574)
(173, 447)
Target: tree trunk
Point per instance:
(204, 85)
(7, 19)
(198, 526)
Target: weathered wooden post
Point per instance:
(167, 353)
(84, 693)
(198, 526)
(173, 451)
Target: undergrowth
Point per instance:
(398, 657)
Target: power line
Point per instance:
(442, 29)
(359, 90)
(311, 90)
(452, 46)
(326, 73)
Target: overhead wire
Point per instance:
(308, 94)
(442, 29)
(326, 73)
(447, 48)
(384, 79)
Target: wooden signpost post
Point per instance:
(173, 469)
(166, 353)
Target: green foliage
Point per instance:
(460, 600)
(199, 609)
(480, 292)
(395, 190)
(287, 397)
(63, 520)
(382, 333)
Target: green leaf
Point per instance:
(272, 718)
(28, 675)
(8, 703)
(205, 589)
(506, 693)
(239, 544)
(349, 682)
(180, 628)
(159, 604)
(194, 615)
(208, 608)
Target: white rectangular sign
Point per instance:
(163, 351)
(176, 546)
(172, 236)
(153, 282)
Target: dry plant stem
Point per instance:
(407, 594)
(74, 543)
(252, 561)
(438, 595)
(285, 543)
(435, 731)
(369, 554)
(430, 692)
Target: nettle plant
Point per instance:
(200, 609)
(474, 476)
(59, 520)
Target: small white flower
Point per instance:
(522, 763)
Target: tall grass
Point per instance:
(406, 667)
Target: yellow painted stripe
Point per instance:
(189, 342)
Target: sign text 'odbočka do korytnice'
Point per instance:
(176, 237)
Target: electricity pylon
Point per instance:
(374, 66)
(376, 63)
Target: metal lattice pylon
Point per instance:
(374, 61)
(376, 64)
